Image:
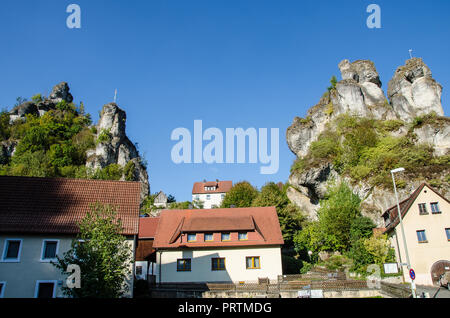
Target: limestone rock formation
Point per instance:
(412, 93)
(60, 92)
(114, 147)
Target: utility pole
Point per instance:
(115, 96)
(399, 213)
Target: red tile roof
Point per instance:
(147, 227)
(57, 205)
(405, 205)
(261, 222)
(221, 187)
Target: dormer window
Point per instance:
(192, 237)
(210, 188)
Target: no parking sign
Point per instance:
(412, 274)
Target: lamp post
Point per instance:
(413, 285)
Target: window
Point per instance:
(421, 236)
(423, 208)
(192, 237)
(49, 250)
(222, 196)
(225, 236)
(447, 231)
(218, 264)
(435, 208)
(243, 236)
(252, 262)
(2, 289)
(208, 197)
(11, 250)
(184, 265)
(138, 270)
(209, 237)
(45, 289)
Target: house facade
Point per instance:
(211, 193)
(160, 200)
(426, 221)
(218, 245)
(39, 220)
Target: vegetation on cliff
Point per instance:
(54, 144)
(366, 149)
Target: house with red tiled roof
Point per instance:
(218, 245)
(426, 222)
(210, 193)
(145, 261)
(39, 219)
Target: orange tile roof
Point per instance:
(262, 222)
(222, 187)
(57, 205)
(147, 227)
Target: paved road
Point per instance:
(433, 291)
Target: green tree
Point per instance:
(361, 228)
(289, 215)
(336, 214)
(379, 247)
(271, 194)
(240, 195)
(102, 253)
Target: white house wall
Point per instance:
(424, 255)
(235, 263)
(214, 200)
(21, 276)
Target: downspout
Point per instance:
(160, 271)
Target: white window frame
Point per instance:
(2, 292)
(48, 260)
(12, 260)
(36, 289)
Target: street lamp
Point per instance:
(413, 285)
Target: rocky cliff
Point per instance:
(116, 148)
(411, 115)
(111, 146)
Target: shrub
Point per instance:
(104, 137)
(37, 98)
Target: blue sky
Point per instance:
(230, 63)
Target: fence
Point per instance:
(286, 285)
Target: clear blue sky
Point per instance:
(230, 63)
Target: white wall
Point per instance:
(21, 276)
(215, 199)
(235, 258)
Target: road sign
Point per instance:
(412, 274)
